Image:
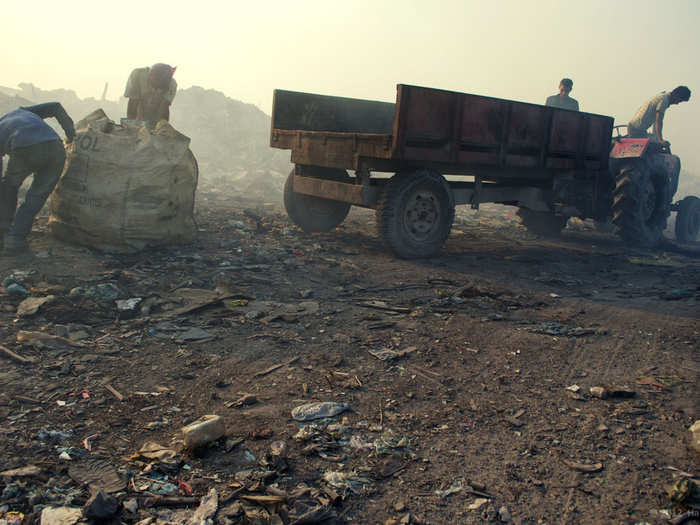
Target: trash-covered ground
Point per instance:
(510, 380)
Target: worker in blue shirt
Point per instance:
(34, 148)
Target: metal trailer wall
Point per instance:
(457, 132)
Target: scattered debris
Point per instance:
(610, 392)
(43, 340)
(22, 472)
(101, 506)
(98, 474)
(61, 515)
(114, 392)
(194, 334)
(349, 482)
(128, 306)
(319, 410)
(504, 514)
(167, 459)
(276, 367)
(15, 286)
(381, 305)
(12, 355)
(584, 467)
(387, 354)
(695, 436)
(31, 305)
(513, 420)
(477, 504)
(131, 505)
(562, 330)
(194, 299)
(661, 260)
(684, 492)
(456, 487)
(245, 400)
(389, 442)
(206, 510)
(203, 431)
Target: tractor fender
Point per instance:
(626, 148)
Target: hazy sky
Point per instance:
(618, 53)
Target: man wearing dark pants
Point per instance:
(34, 148)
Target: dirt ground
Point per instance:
(481, 411)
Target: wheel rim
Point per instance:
(421, 215)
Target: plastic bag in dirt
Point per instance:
(125, 188)
(312, 411)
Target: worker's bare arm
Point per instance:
(659, 126)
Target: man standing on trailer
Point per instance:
(562, 100)
(34, 148)
(150, 91)
(652, 114)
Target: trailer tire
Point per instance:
(688, 220)
(415, 213)
(315, 214)
(641, 205)
(542, 223)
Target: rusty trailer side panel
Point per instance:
(462, 129)
(454, 131)
(339, 191)
(330, 131)
(333, 150)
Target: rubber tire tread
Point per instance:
(542, 223)
(627, 213)
(299, 207)
(389, 211)
(686, 231)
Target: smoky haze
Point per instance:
(619, 54)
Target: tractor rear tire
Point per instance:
(316, 214)
(542, 223)
(688, 220)
(640, 205)
(415, 213)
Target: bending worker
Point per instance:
(150, 91)
(652, 113)
(35, 148)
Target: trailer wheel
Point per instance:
(315, 214)
(688, 220)
(640, 205)
(542, 223)
(415, 213)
